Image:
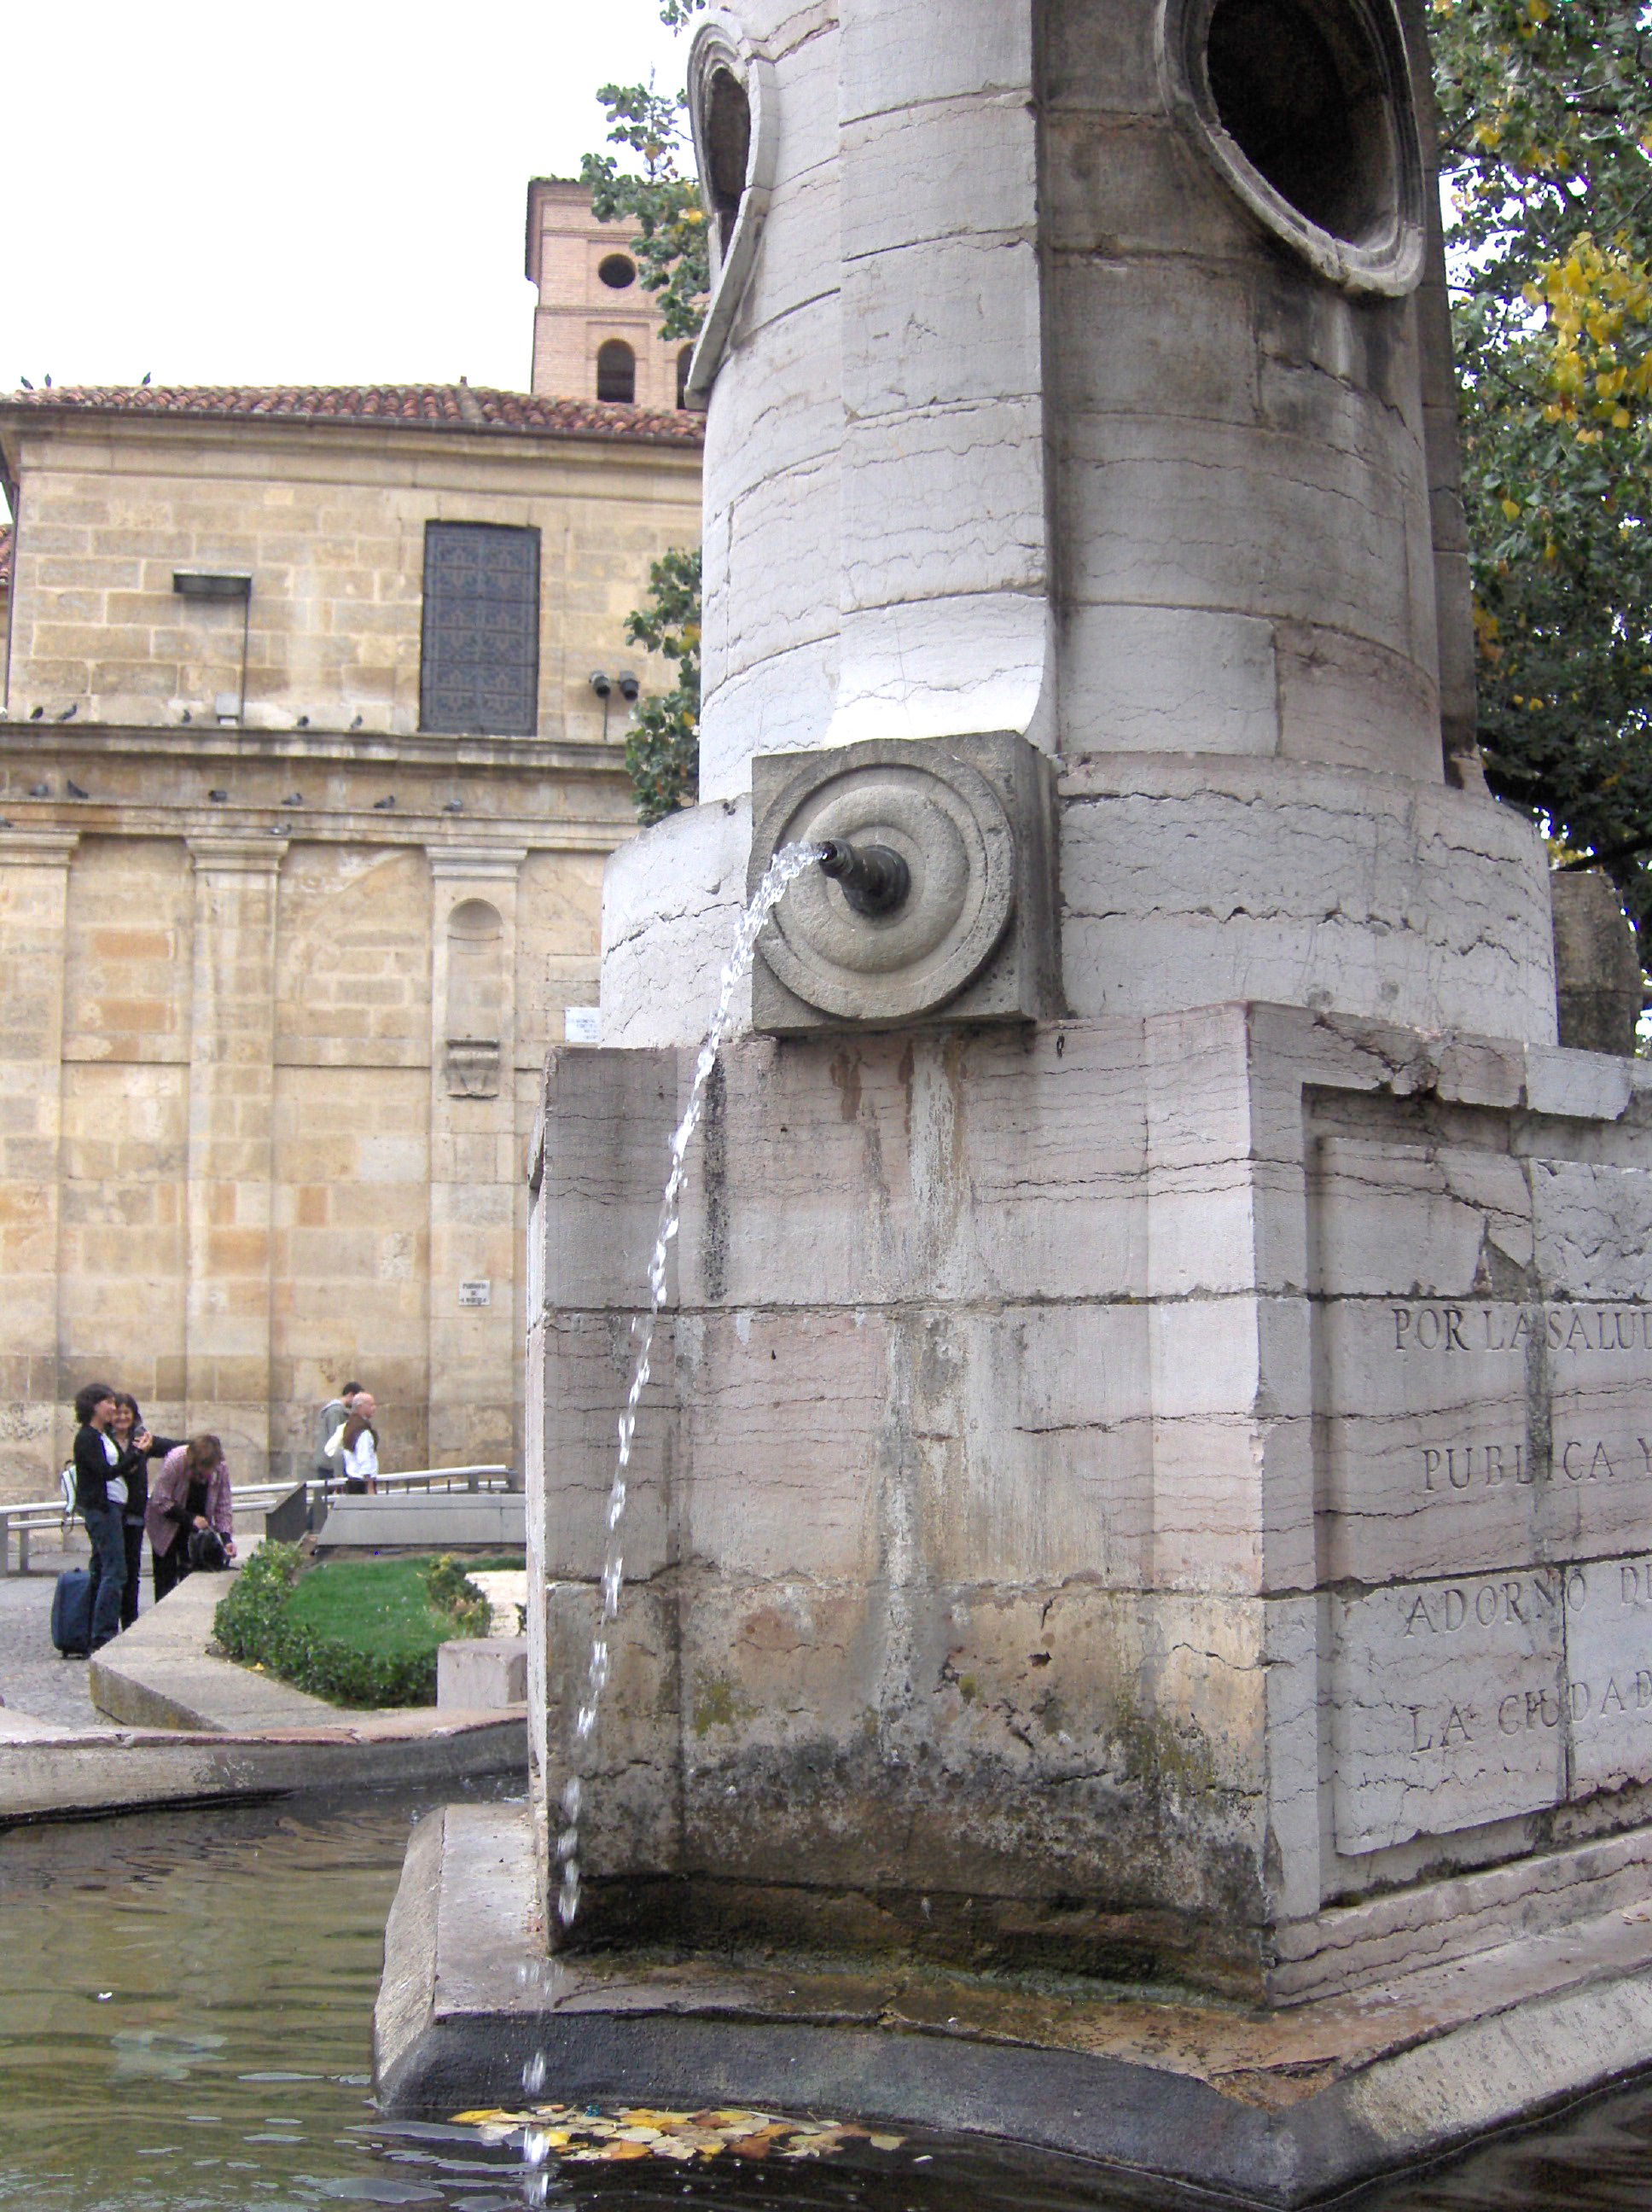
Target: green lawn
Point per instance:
(360, 1632)
(379, 1607)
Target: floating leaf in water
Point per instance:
(590, 2137)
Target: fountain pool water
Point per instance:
(186, 2010)
(788, 865)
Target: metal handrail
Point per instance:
(27, 1519)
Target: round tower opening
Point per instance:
(1300, 87)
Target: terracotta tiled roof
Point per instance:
(5, 553)
(422, 406)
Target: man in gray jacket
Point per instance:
(333, 1415)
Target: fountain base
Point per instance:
(1278, 2105)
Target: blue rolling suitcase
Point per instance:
(71, 1614)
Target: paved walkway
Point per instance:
(33, 1679)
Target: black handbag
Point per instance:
(206, 1551)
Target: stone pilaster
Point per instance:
(231, 1116)
(475, 1165)
(33, 919)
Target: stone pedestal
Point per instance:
(1155, 1498)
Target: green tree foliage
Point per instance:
(1547, 129)
(662, 752)
(656, 196)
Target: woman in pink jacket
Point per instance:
(190, 1493)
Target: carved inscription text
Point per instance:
(1461, 1702)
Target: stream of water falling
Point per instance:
(788, 865)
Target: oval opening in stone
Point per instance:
(616, 271)
(726, 137)
(1300, 89)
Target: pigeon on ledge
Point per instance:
(74, 789)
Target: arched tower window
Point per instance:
(617, 371)
(684, 356)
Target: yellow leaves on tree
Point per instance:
(1597, 302)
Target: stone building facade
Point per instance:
(596, 331)
(306, 795)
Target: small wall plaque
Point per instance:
(582, 1025)
(479, 1293)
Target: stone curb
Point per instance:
(197, 1729)
(469, 1997)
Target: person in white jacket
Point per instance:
(354, 1445)
(328, 1422)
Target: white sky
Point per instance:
(254, 194)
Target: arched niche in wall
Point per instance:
(731, 114)
(473, 1016)
(1306, 108)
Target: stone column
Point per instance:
(944, 587)
(231, 1144)
(33, 922)
(475, 1155)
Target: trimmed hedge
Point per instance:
(256, 1625)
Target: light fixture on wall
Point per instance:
(602, 685)
(629, 688)
(221, 584)
(211, 584)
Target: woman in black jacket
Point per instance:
(101, 1501)
(126, 1428)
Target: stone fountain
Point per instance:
(1138, 1633)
